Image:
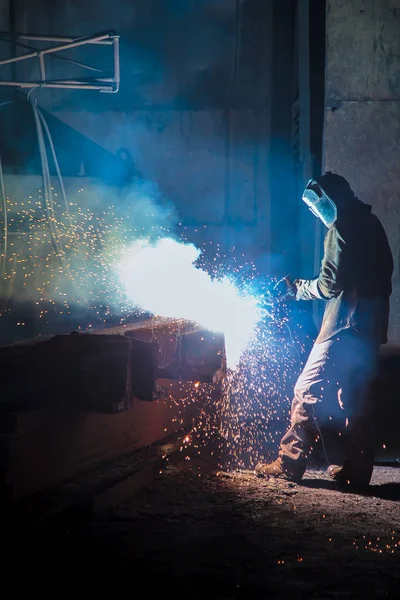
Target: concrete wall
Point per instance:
(210, 163)
(362, 116)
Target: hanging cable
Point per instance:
(47, 192)
(61, 183)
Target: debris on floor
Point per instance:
(198, 533)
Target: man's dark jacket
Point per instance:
(355, 276)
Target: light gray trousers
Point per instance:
(337, 372)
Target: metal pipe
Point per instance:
(42, 69)
(37, 84)
(65, 58)
(59, 38)
(80, 42)
(94, 81)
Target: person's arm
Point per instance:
(329, 282)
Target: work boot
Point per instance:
(278, 469)
(344, 475)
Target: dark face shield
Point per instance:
(319, 203)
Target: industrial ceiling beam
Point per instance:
(104, 82)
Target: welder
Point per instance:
(355, 283)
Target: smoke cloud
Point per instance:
(58, 269)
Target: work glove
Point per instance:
(307, 289)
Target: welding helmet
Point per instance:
(320, 204)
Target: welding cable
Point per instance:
(32, 90)
(61, 183)
(47, 193)
(44, 163)
(47, 188)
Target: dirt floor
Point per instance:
(199, 534)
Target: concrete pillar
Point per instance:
(362, 112)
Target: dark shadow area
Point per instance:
(386, 491)
(230, 537)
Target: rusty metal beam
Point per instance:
(104, 371)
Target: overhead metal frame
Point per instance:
(103, 82)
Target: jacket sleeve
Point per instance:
(329, 282)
